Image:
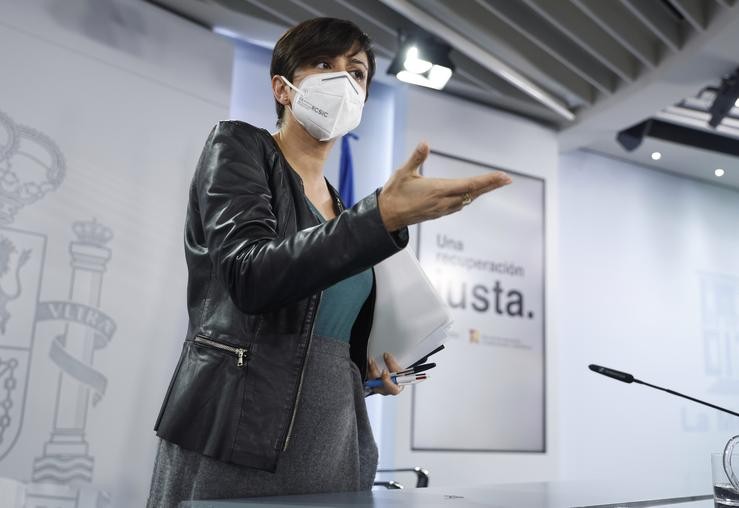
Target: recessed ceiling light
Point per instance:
(719, 172)
(656, 156)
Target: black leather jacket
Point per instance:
(258, 260)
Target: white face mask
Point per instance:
(327, 104)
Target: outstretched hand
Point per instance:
(409, 198)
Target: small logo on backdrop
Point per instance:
(31, 165)
(474, 336)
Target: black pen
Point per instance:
(415, 370)
(425, 358)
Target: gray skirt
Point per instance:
(331, 447)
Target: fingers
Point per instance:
(388, 387)
(373, 371)
(495, 181)
(476, 185)
(446, 206)
(453, 204)
(392, 363)
(417, 158)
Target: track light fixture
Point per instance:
(630, 139)
(726, 98)
(424, 61)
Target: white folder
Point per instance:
(410, 318)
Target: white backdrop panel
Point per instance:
(487, 392)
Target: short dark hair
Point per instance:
(314, 38)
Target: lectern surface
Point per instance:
(522, 495)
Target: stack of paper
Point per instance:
(410, 319)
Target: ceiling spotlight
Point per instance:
(423, 61)
(414, 64)
(656, 156)
(719, 172)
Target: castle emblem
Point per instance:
(31, 165)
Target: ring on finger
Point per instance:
(467, 199)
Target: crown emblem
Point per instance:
(92, 233)
(31, 165)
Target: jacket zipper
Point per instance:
(238, 351)
(307, 349)
(302, 372)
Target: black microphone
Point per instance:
(615, 374)
(628, 378)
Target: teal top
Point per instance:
(341, 303)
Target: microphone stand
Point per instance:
(625, 377)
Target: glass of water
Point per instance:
(725, 493)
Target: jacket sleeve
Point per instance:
(261, 271)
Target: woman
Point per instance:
(267, 397)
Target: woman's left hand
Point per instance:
(388, 387)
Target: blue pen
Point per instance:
(377, 383)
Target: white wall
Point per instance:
(649, 284)
(251, 94)
(475, 132)
(126, 93)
